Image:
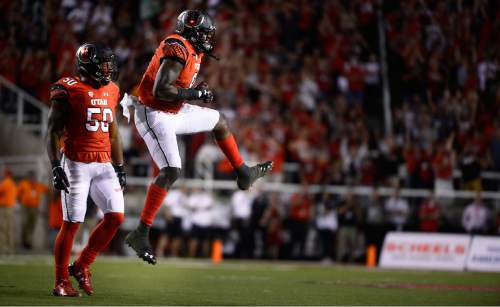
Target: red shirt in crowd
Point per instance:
(301, 207)
(429, 216)
(443, 165)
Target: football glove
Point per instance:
(205, 93)
(60, 180)
(122, 175)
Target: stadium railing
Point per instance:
(39, 165)
(26, 111)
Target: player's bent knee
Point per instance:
(167, 176)
(115, 219)
(221, 129)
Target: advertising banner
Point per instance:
(412, 250)
(484, 254)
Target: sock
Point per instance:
(100, 238)
(230, 149)
(154, 199)
(62, 249)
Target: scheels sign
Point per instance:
(425, 248)
(425, 251)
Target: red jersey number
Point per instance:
(93, 124)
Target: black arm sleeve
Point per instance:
(188, 93)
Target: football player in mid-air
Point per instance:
(162, 113)
(82, 115)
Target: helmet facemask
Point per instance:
(204, 40)
(198, 28)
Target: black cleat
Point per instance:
(248, 175)
(140, 244)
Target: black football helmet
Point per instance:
(97, 62)
(198, 28)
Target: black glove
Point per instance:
(60, 179)
(122, 176)
(205, 93)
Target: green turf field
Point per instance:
(28, 281)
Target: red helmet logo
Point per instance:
(84, 54)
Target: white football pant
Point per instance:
(98, 179)
(160, 129)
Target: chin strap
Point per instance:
(213, 56)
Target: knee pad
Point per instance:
(167, 176)
(69, 228)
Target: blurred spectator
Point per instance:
(301, 207)
(241, 205)
(221, 221)
(260, 206)
(78, 16)
(397, 210)
(327, 224)
(29, 193)
(475, 216)
(375, 221)
(429, 214)
(495, 147)
(353, 152)
(355, 74)
(390, 160)
(413, 156)
(174, 213)
(372, 84)
(470, 167)
(101, 18)
(425, 172)
(8, 193)
(308, 90)
(200, 203)
(349, 216)
(443, 163)
(271, 222)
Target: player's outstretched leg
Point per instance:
(62, 254)
(246, 175)
(98, 240)
(138, 239)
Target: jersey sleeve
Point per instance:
(175, 50)
(58, 92)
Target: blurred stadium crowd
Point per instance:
(301, 83)
(301, 79)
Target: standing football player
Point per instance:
(82, 114)
(162, 114)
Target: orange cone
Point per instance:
(217, 254)
(371, 256)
